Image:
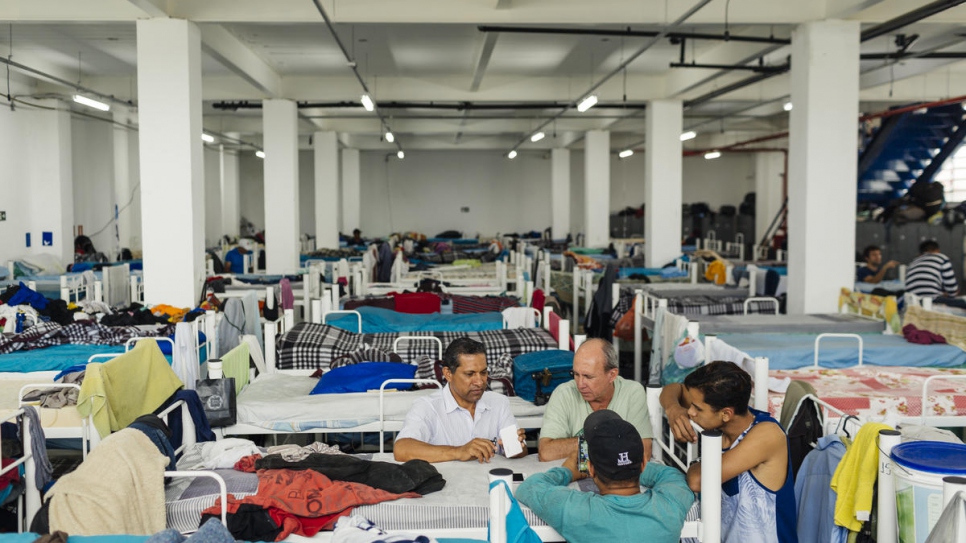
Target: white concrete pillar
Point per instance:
(560, 193)
(662, 182)
(769, 169)
(125, 179)
(281, 143)
(172, 160)
(52, 183)
(351, 200)
(230, 198)
(822, 164)
(597, 188)
(326, 147)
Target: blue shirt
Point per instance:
(814, 495)
(657, 514)
(863, 273)
(236, 260)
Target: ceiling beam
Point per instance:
(221, 44)
(503, 4)
(489, 42)
(151, 8)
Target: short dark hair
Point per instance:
(356, 231)
(460, 346)
(723, 384)
(869, 250)
(928, 245)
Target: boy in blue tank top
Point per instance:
(757, 491)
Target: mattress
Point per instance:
(793, 351)
(53, 358)
(799, 324)
(876, 391)
(310, 346)
(717, 305)
(379, 320)
(281, 403)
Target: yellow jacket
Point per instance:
(854, 478)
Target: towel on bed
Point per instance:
(129, 501)
(235, 364)
(124, 388)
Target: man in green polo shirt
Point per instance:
(596, 386)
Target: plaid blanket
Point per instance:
(714, 305)
(47, 334)
(310, 346)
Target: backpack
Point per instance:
(929, 196)
(803, 432)
(727, 211)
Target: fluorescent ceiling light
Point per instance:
(91, 103)
(401, 155)
(389, 137)
(689, 135)
(367, 102)
(626, 153)
(512, 154)
(587, 103)
(787, 106)
(920, 111)
(537, 137)
(207, 138)
(260, 154)
(712, 155)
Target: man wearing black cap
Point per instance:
(621, 512)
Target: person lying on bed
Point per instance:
(757, 493)
(596, 385)
(621, 512)
(463, 420)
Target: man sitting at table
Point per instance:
(621, 512)
(463, 420)
(596, 386)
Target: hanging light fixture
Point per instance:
(626, 153)
(367, 102)
(712, 155)
(207, 138)
(689, 135)
(91, 103)
(260, 154)
(537, 137)
(389, 137)
(401, 155)
(587, 103)
(787, 106)
(512, 154)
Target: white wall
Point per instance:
(425, 192)
(428, 188)
(94, 181)
(213, 226)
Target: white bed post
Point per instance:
(638, 335)
(520, 287)
(307, 294)
(211, 334)
(326, 305)
(98, 291)
(548, 270)
(576, 315)
(289, 319)
(693, 271)
(711, 501)
(656, 413)
(761, 390)
(926, 303)
(134, 289)
(709, 340)
(529, 293)
(752, 281)
(498, 511)
(694, 329)
(270, 346)
(269, 297)
(902, 273)
(887, 528)
(579, 339)
(563, 335)
(246, 263)
(64, 291)
(588, 289)
(315, 315)
(11, 269)
(335, 297)
(545, 319)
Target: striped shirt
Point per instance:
(931, 275)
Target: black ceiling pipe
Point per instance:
(730, 88)
(952, 55)
(907, 19)
(631, 33)
(756, 68)
(454, 106)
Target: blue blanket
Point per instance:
(377, 320)
(791, 351)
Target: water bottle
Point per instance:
(20, 319)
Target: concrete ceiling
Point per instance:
(432, 51)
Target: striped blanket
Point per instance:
(310, 346)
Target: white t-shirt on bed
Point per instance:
(438, 420)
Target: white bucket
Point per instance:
(919, 470)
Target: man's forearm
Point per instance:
(555, 449)
(409, 449)
(671, 396)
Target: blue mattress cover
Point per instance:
(61, 357)
(792, 351)
(377, 320)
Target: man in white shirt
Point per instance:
(463, 420)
